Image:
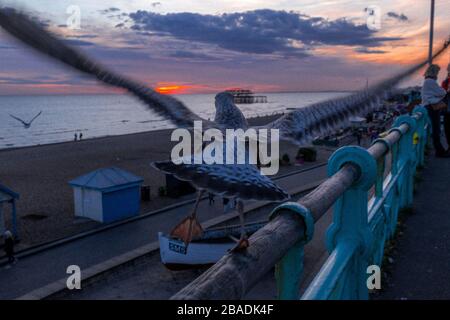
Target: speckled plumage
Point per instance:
(241, 181)
(227, 114)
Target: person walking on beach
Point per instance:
(446, 86)
(81, 136)
(358, 135)
(226, 205)
(211, 198)
(432, 98)
(75, 137)
(9, 246)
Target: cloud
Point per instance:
(399, 17)
(369, 51)
(77, 43)
(183, 54)
(86, 36)
(260, 31)
(110, 10)
(43, 79)
(6, 47)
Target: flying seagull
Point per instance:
(244, 181)
(236, 181)
(25, 123)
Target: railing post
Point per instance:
(407, 158)
(289, 270)
(350, 219)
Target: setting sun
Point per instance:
(171, 89)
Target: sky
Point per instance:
(205, 46)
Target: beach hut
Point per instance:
(7, 196)
(107, 195)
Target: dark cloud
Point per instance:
(86, 36)
(110, 10)
(6, 47)
(78, 43)
(260, 31)
(29, 80)
(115, 55)
(11, 80)
(400, 17)
(182, 54)
(369, 51)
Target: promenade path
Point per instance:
(40, 269)
(421, 265)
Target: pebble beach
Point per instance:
(40, 174)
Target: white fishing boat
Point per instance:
(208, 249)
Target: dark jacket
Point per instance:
(9, 246)
(445, 84)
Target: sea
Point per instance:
(108, 115)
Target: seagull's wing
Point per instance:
(23, 28)
(35, 117)
(243, 181)
(18, 119)
(304, 124)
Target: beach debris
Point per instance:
(26, 124)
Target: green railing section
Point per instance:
(361, 227)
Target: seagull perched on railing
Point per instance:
(240, 181)
(26, 124)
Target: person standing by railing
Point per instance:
(433, 99)
(9, 247)
(446, 86)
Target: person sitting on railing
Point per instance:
(446, 86)
(433, 99)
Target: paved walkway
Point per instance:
(40, 269)
(421, 268)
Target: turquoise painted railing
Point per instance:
(367, 188)
(361, 227)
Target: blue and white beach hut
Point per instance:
(107, 195)
(10, 197)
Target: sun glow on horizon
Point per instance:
(172, 89)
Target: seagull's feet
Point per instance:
(241, 245)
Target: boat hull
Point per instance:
(210, 248)
(175, 254)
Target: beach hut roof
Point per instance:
(106, 178)
(7, 194)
